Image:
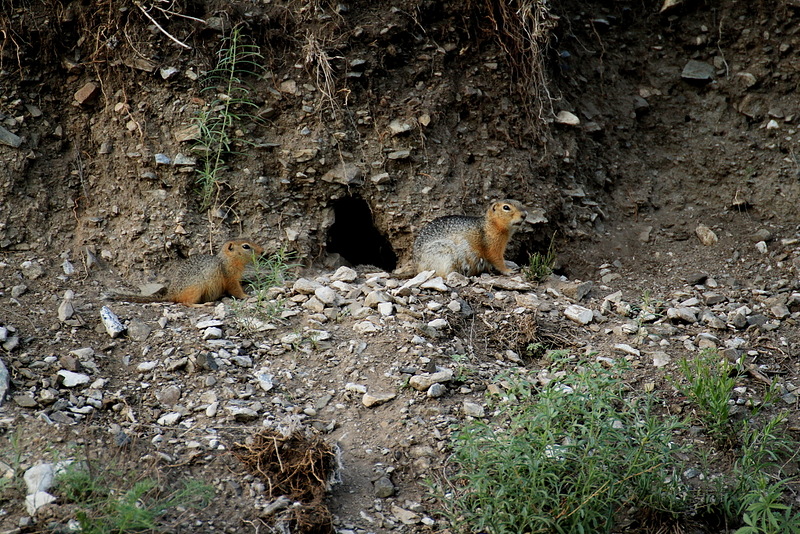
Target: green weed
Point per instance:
(107, 503)
(217, 122)
(565, 458)
(540, 266)
(268, 272)
(709, 386)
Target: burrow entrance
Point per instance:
(354, 236)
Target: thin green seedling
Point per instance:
(218, 121)
(766, 513)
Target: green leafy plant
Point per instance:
(540, 266)
(765, 513)
(709, 386)
(107, 503)
(564, 458)
(268, 272)
(218, 120)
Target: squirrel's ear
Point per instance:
(230, 246)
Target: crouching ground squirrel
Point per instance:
(205, 278)
(469, 245)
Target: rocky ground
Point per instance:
(662, 158)
(383, 368)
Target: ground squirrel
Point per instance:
(468, 245)
(205, 278)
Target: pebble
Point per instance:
(371, 400)
(579, 314)
(384, 487)
(71, 379)
(472, 409)
(111, 322)
(706, 235)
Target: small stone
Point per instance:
(424, 381)
(436, 390)
(706, 235)
(397, 127)
(111, 322)
(169, 419)
(138, 330)
(627, 349)
(265, 379)
(374, 298)
(212, 333)
(39, 478)
(365, 327)
(386, 309)
(36, 501)
(344, 274)
(345, 174)
(406, 517)
(32, 269)
(579, 314)
(399, 154)
(698, 71)
(686, 315)
(71, 380)
(169, 396)
(326, 295)
(565, 117)
(660, 359)
(10, 139)
(25, 401)
(242, 414)
(371, 400)
(87, 93)
(472, 409)
(384, 487)
(761, 246)
(305, 286)
(18, 290)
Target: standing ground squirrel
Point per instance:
(468, 245)
(205, 278)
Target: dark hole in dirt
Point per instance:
(354, 236)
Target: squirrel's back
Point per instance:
(468, 245)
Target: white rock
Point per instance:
(212, 333)
(472, 409)
(761, 246)
(37, 500)
(627, 349)
(438, 324)
(424, 381)
(660, 359)
(39, 478)
(344, 274)
(208, 323)
(374, 298)
(111, 322)
(565, 117)
(418, 280)
(83, 353)
(436, 283)
(146, 366)
(265, 379)
(326, 295)
(376, 399)
(706, 235)
(365, 327)
(169, 419)
(73, 379)
(386, 309)
(579, 314)
(305, 286)
(355, 388)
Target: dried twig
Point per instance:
(165, 32)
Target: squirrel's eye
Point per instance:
(506, 207)
(246, 246)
